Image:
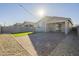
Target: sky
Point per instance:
(11, 13)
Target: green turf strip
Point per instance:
(21, 34)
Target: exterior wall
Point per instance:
(63, 27)
(54, 27)
(40, 26)
(50, 23)
(68, 26)
(17, 28)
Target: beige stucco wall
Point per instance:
(40, 26)
(68, 26)
(49, 23)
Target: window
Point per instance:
(26, 25)
(31, 25)
(38, 26)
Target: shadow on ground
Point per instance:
(45, 43)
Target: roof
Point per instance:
(27, 22)
(55, 17)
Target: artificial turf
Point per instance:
(21, 34)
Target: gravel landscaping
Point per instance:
(69, 46)
(44, 43)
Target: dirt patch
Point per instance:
(10, 47)
(26, 43)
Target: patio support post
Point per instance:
(66, 27)
(45, 27)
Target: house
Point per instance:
(23, 27)
(52, 24)
(46, 24)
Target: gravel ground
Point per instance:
(44, 43)
(68, 46)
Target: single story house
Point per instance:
(51, 24)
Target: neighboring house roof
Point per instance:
(26, 22)
(56, 17)
(17, 24)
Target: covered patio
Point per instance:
(56, 27)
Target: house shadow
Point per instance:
(44, 43)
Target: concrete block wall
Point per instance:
(15, 29)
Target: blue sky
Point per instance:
(12, 13)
